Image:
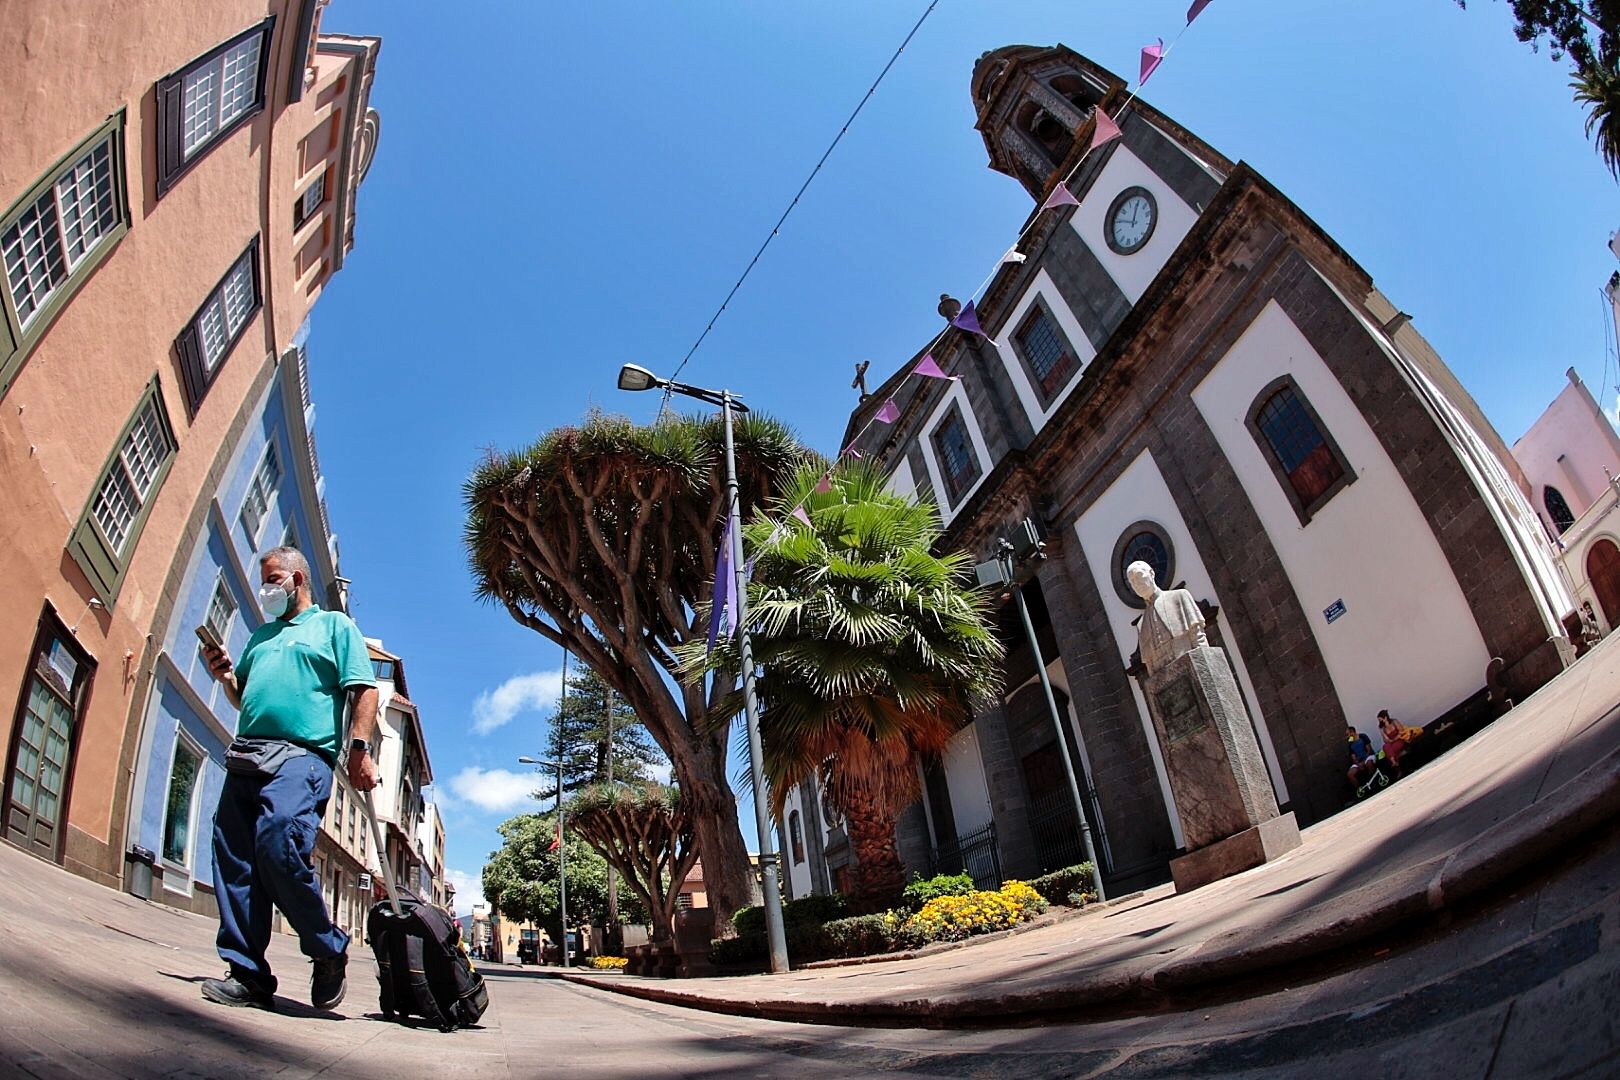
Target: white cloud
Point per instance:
(469, 890)
(494, 790)
(521, 693)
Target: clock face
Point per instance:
(1131, 220)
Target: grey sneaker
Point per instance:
(327, 985)
(237, 994)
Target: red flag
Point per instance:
(556, 841)
(1106, 130)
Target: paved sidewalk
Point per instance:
(1533, 788)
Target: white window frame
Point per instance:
(40, 254)
(307, 207)
(261, 493)
(183, 739)
(218, 91)
(130, 481)
(222, 591)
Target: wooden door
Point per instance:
(42, 742)
(1603, 571)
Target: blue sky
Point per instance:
(560, 189)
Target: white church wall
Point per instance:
(964, 778)
(800, 882)
(1133, 273)
(1044, 288)
(1407, 639)
(1139, 494)
(955, 395)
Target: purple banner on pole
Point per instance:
(721, 601)
(968, 320)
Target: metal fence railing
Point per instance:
(974, 854)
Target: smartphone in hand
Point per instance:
(206, 635)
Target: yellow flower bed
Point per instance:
(608, 963)
(952, 918)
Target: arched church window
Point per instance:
(796, 836)
(1558, 509)
(1144, 541)
(1302, 454)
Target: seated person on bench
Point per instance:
(1398, 737)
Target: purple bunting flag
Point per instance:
(1061, 196)
(1106, 130)
(889, 413)
(1152, 57)
(929, 368)
(1198, 6)
(824, 485)
(798, 512)
(968, 320)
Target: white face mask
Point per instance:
(274, 599)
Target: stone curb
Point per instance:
(1530, 836)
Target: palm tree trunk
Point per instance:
(878, 876)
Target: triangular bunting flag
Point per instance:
(1198, 6)
(968, 320)
(856, 454)
(1106, 130)
(1014, 255)
(889, 413)
(1061, 196)
(929, 368)
(798, 512)
(1152, 57)
(824, 485)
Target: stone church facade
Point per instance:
(1187, 370)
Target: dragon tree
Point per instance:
(601, 538)
(645, 833)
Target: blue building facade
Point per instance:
(270, 494)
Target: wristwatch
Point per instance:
(360, 745)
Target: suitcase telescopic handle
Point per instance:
(382, 855)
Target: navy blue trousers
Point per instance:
(264, 836)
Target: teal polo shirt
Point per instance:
(294, 674)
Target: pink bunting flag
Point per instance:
(1106, 130)
(1061, 196)
(1152, 57)
(928, 367)
(968, 320)
(1198, 6)
(824, 485)
(850, 451)
(798, 512)
(889, 413)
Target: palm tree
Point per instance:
(1598, 88)
(872, 651)
(601, 538)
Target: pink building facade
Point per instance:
(178, 183)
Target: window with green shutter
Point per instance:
(53, 238)
(123, 495)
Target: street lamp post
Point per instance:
(1001, 571)
(632, 377)
(562, 850)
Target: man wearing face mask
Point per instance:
(290, 684)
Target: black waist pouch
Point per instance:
(261, 758)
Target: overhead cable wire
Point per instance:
(664, 404)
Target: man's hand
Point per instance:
(219, 666)
(362, 771)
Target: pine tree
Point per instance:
(579, 738)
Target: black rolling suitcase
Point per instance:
(422, 969)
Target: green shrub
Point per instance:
(740, 950)
(805, 911)
(1073, 885)
(858, 935)
(921, 890)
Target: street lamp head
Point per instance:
(537, 761)
(634, 377)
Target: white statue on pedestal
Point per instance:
(1171, 625)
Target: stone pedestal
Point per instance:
(1228, 814)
